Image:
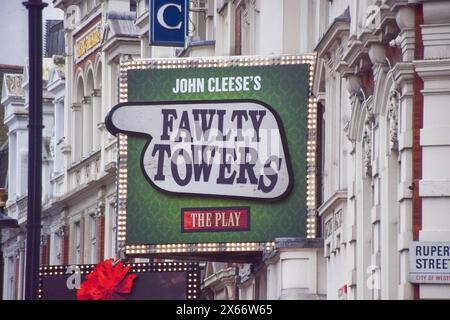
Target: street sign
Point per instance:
(168, 22)
(429, 262)
(215, 155)
(154, 281)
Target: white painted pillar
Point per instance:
(87, 126)
(363, 228)
(296, 272)
(22, 160)
(96, 118)
(76, 132)
(12, 166)
(68, 146)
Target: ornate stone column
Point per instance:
(77, 131)
(87, 126)
(96, 98)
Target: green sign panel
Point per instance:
(214, 154)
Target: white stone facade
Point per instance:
(383, 170)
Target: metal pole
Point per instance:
(35, 148)
(2, 266)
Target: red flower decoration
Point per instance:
(106, 282)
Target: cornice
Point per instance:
(336, 32)
(433, 68)
(333, 201)
(403, 71)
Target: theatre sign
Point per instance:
(215, 155)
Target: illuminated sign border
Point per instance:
(213, 62)
(192, 270)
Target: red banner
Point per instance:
(215, 219)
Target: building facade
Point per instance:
(79, 156)
(381, 82)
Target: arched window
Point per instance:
(97, 107)
(88, 114)
(77, 120)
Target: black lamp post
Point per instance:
(34, 148)
(5, 222)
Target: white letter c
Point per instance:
(160, 16)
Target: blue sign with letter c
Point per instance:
(168, 22)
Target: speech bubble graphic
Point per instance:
(223, 148)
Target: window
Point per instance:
(133, 5)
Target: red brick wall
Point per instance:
(45, 251)
(17, 273)
(65, 247)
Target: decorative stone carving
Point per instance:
(372, 17)
(61, 232)
(96, 93)
(338, 219)
(52, 146)
(86, 100)
(21, 246)
(47, 150)
(59, 62)
(367, 147)
(100, 210)
(253, 3)
(87, 171)
(246, 14)
(392, 115)
(44, 240)
(328, 228)
(14, 84)
(77, 176)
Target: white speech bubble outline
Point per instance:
(144, 119)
